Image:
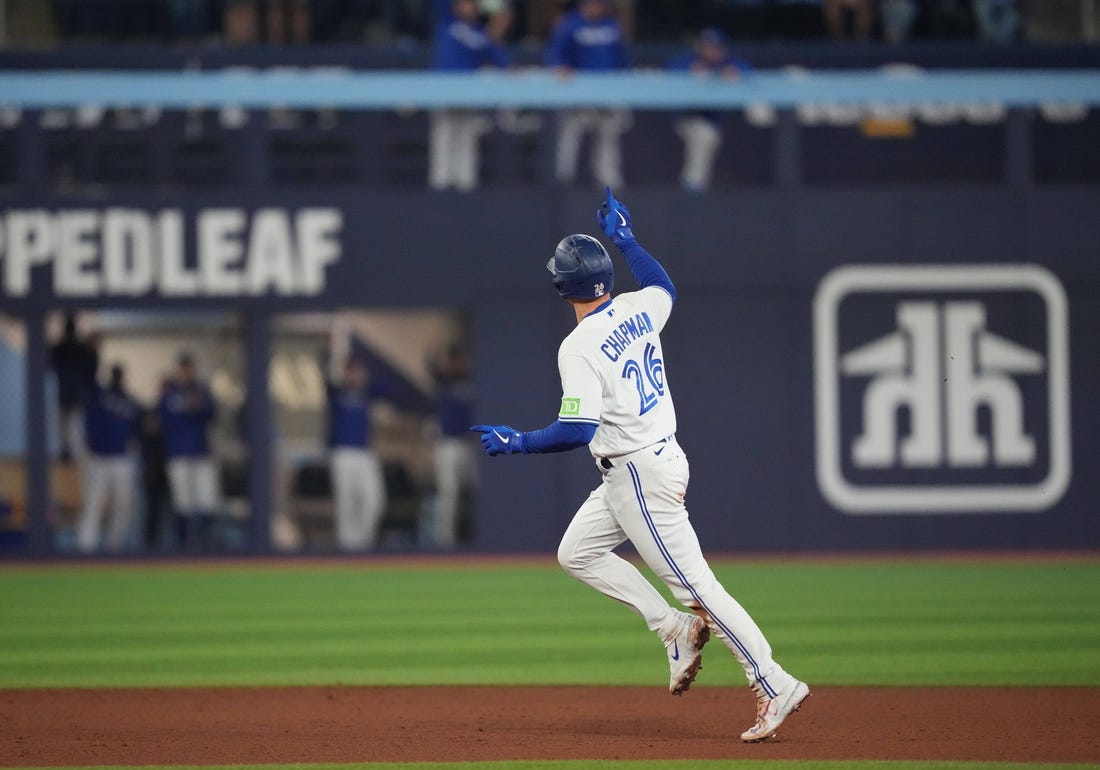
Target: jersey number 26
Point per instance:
(649, 378)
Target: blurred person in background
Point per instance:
(287, 21)
(454, 457)
(75, 362)
(897, 19)
(999, 21)
(111, 420)
(358, 485)
(281, 21)
(589, 39)
(701, 131)
(462, 44)
(186, 410)
(241, 22)
(837, 13)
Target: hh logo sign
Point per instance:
(942, 389)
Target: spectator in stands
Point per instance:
(897, 19)
(999, 21)
(359, 488)
(110, 425)
(461, 45)
(455, 466)
(186, 410)
(287, 21)
(590, 40)
(241, 22)
(702, 131)
(283, 21)
(75, 362)
(862, 15)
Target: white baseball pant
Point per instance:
(455, 470)
(106, 480)
(608, 126)
(193, 483)
(454, 152)
(359, 489)
(642, 499)
(701, 142)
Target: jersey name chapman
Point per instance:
(942, 389)
(626, 333)
(125, 252)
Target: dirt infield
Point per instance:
(358, 724)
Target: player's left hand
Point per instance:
(499, 439)
(614, 219)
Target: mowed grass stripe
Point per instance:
(919, 623)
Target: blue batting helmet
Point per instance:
(581, 268)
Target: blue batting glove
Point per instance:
(614, 219)
(499, 439)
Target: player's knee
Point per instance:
(567, 555)
(571, 558)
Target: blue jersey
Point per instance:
(587, 45)
(349, 415)
(110, 422)
(184, 415)
(455, 407)
(693, 62)
(461, 47)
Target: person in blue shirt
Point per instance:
(185, 410)
(455, 467)
(359, 487)
(702, 131)
(590, 39)
(461, 45)
(111, 419)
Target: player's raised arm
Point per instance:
(614, 219)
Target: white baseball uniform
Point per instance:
(613, 377)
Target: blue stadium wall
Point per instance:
(739, 348)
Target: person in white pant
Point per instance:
(359, 487)
(617, 401)
(111, 419)
(461, 45)
(701, 132)
(455, 469)
(589, 40)
(186, 410)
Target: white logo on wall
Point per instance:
(939, 411)
(131, 252)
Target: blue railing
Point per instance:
(539, 89)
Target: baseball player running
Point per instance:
(616, 400)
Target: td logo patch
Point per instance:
(941, 388)
(570, 407)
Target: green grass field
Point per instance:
(907, 623)
(915, 622)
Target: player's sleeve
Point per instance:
(582, 391)
(658, 303)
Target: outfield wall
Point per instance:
(984, 433)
